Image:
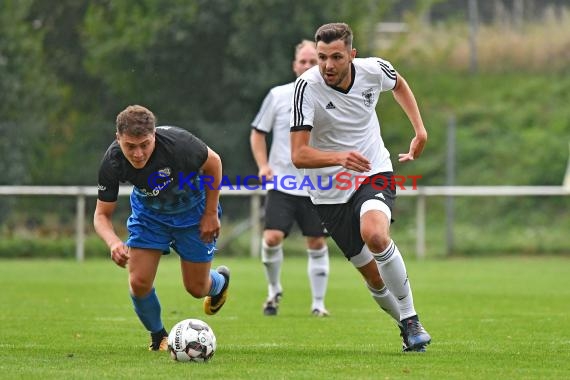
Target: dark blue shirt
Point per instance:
(168, 183)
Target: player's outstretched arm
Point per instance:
(102, 221)
(405, 97)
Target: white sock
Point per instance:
(318, 271)
(393, 272)
(386, 301)
(272, 258)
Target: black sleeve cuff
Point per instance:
(298, 128)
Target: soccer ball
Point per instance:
(191, 340)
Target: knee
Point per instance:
(272, 238)
(376, 242)
(139, 286)
(273, 242)
(316, 243)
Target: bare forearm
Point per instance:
(104, 228)
(213, 171)
(406, 99)
(212, 199)
(258, 148)
(307, 157)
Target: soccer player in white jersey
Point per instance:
(285, 202)
(335, 136)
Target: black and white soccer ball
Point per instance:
(191, 340)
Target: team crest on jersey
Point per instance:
(164, 172)
(157, 182)
(368, 96)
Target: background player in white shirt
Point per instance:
(335, 132)
(285, 202)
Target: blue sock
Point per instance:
(218, 282)
(148, 310)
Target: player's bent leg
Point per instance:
(196, 278)
(393, 272)
(379, 292)
(217, 298)
(375, 224)
(201, 281)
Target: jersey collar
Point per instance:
(352, 76)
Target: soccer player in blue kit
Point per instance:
(170, 209)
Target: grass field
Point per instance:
(489, 318)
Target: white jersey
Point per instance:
(273, 116)
(343, 121)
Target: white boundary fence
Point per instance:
(82, 192)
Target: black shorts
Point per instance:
(282, 209)
(342, 220)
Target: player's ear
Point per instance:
(117, 137)
(353, 53)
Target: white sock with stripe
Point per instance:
(272, 259)
(318, 271)
(393, 272)
(386, 301)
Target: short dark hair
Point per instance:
(334, 31)
(136, 121)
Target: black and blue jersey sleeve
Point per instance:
(108, 180)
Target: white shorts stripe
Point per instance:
(375, 204)
(363, 258)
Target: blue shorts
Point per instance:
(151, 230)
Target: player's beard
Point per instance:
(340, 77)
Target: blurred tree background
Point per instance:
(68, 67)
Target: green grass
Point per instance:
(489, 318)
